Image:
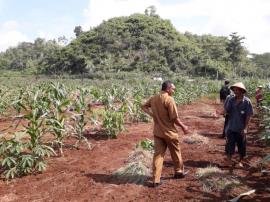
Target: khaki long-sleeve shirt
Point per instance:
(164, 114)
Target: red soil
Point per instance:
(83, 175)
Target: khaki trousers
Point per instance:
(160, 146)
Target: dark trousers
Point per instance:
(233, 139)
(225, 124)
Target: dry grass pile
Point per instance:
(195, 138)
(140, 155)
(138, 168)
(214, 179)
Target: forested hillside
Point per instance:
(140, 42)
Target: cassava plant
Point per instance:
(18, 158)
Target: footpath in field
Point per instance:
(82, 175)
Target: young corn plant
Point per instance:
(18, 104)
(56, 124)
(107, 100)
(113, 122)
(79, 118)
(137, 113)
(56, 119)
(3, 100)
(35, 115)
(96, 94)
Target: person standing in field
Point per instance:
(223, 94)
(239, 110)
(259, 96)
(164, 112)
(224, 91)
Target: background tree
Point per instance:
(262, 63)
(236, 50)
(151, 11)
(137, 42)
(78, 31)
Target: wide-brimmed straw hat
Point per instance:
(260, 86)
(239, 85)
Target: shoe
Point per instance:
(180, 175)
(155, 185)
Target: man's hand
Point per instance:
(147, 110)
(182, 125)
(244, 133)
(185, 130)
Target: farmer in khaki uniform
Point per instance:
(164, 112)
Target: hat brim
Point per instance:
(232, 87)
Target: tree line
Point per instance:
(139, 42)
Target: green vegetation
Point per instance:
(112, 66)
(56, 111)
(146, 145)
(136, 43)
(265, 122)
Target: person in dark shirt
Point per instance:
(224, 91)
(239, 110)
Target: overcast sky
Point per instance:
(25, 20)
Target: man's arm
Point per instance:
(185, 129)
(147, 110)
(249, 114)
(227, 104)
(245, 130)
(146, 107)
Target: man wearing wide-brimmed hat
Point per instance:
(239, 110)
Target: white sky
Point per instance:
(250, 18)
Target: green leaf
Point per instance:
(11, 173)
(41, 166)
(9, 162)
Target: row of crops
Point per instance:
(265, 120)
(46, 114)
